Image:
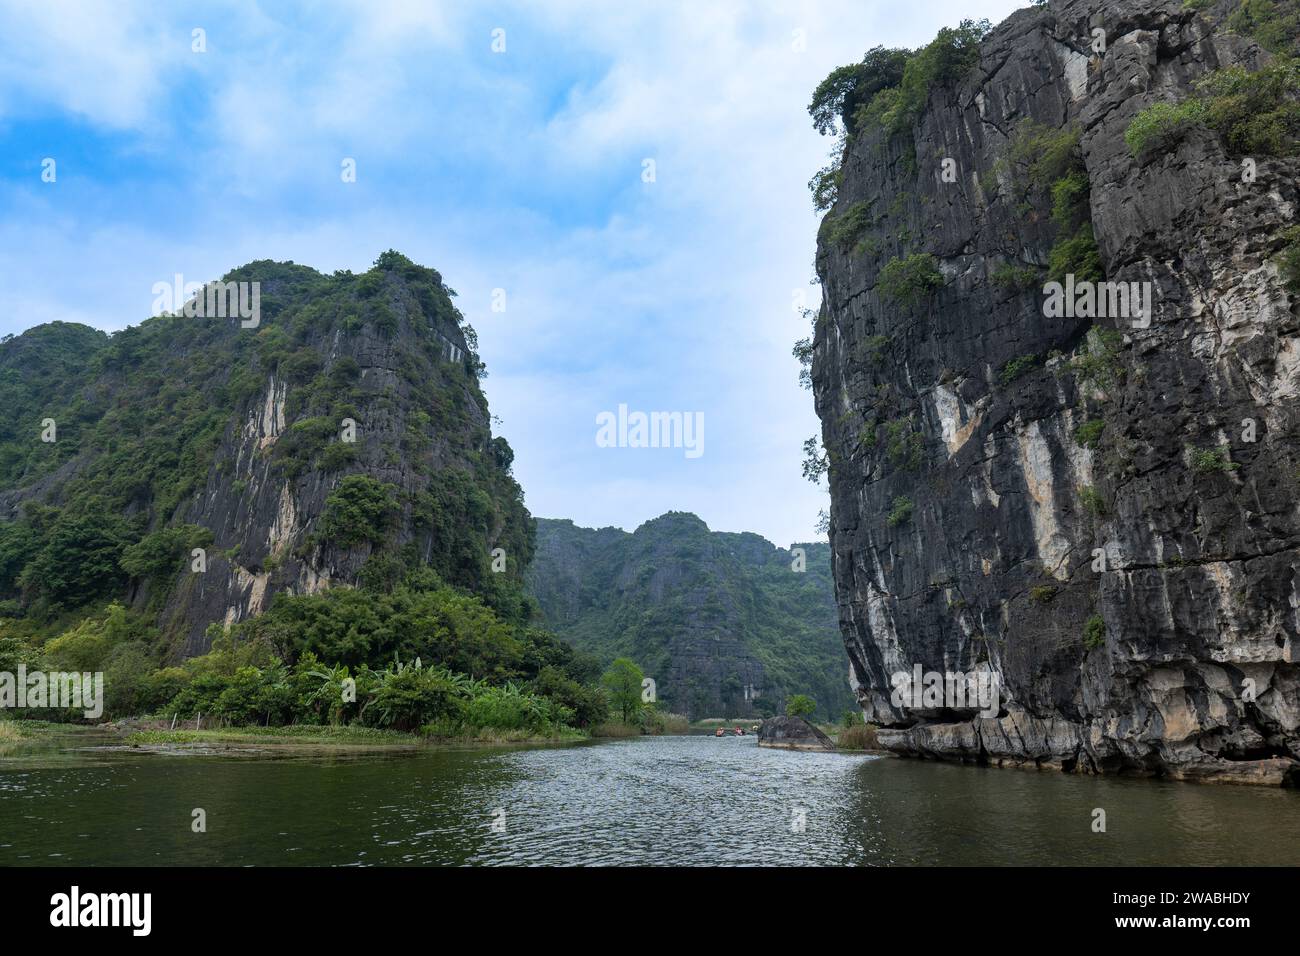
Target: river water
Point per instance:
(664, 800)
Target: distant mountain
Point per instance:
(722, 622)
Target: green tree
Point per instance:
(800, 705)
(848, 87)
(623, 684)
(360, 510)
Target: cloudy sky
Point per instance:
(521, 170)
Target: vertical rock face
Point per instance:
(974, 526)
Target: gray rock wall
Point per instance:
(995, 567)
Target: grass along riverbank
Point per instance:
(350, 735)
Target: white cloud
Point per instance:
(674, 295)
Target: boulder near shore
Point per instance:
(792, 733)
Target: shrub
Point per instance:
(1100, 363)
(1014, 278)
(845, 229)
(1016, 367)
(904, 443)
(1162, 125)
(1094, 632)
(408, 696)
(1077, 256)
(337, 456)
(1046, 154)
(1209, 460)
(1089, 433)
(1093, 500)
(1256, 113)
(360, 509)
(901, 512)
(1042, 593)
(910, 279)
(1070, 206)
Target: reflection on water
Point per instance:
(671, 800)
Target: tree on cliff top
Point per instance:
(840, 94)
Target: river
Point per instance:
(653, 800)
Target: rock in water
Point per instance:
(1096, 503)
(792, 733)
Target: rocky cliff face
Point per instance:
(1100, 511)
(727, 625)
(248, 433)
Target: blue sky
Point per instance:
(519, 170)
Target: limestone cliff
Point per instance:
(1102, 511)
(340, 437)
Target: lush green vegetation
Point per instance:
(1094, 632)
(800, 705)
(904, 444)
(845, 230)
(430, 640)
(1256, 113)
(1015, 368)
(825, 186)
(888, 89)
(1093, 501)
(910, 279)
(1013, 278)
(1162, 125)
(839, 96)
(144, 420)
(490, 677)
(1089, 433)
(1273, 24)
(1043, 163)
(1100, 364)
(674, 593)
(360, 510)
(622, 683)
(941, 62)
(1206, 461)
(901, 511)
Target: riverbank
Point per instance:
(14, 735)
